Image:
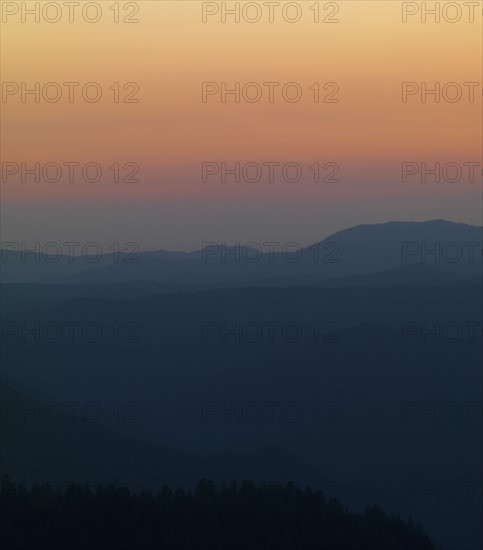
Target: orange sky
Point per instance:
(170, 132)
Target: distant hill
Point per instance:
(360, 250)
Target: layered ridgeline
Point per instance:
(432, 251)
(364, 381)
(236, 517)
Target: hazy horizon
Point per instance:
(365, 112)
(170, 231)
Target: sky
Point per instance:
(307, 168)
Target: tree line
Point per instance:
(234, 516)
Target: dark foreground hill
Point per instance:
(235, 517)
(379, 393)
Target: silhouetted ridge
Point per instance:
(236, 517)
